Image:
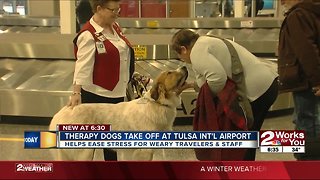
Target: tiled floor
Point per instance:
(13, 149)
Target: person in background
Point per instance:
(2, 11)
(228, 7)
(83, 13)
(104, 60)
(211, 61)
(259, 6)
(299, 69)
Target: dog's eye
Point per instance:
(169, 72)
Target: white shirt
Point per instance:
(83, 74)
(211, 62)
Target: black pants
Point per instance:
(88, 97)
(260, 108)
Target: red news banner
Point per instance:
(160, 170)
(282, 141)
(84, 127)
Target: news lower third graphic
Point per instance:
(101, 136)
(282, 141)
(84, 127)
(147, 139)
(34, 167)
(36, 139)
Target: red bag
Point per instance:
(220, 113)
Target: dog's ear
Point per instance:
(154, 92)
(157, 91)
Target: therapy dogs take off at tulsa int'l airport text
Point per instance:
(155, 111)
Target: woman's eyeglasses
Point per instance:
(115, 10)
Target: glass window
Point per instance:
(153, 8)
(129, 8)
(269, 8)
(18, 7)
(143, 8)
(204, 8)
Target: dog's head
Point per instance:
(167, 87)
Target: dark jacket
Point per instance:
(299, 42)
(220, 113)
(259, 6)
(84, 11)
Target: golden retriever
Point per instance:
(155, 111)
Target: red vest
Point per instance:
(106, 69)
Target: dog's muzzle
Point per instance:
(185, 73)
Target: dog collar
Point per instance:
(144, 100)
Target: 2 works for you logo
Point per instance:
(34, 167)
(282, 138)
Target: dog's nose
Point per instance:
(185, 69)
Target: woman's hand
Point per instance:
(316, 90)
(74, 100)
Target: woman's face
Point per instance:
(109, 12)
(185, 55)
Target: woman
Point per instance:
(211, 61)
(104, 60)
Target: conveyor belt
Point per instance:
(258, 35)
(25, 24)
(29, 29)
(36, 63)
(34, 87)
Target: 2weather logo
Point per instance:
(34, 167)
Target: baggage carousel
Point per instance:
(36, 67)
(34, 87)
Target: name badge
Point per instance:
(100, 47)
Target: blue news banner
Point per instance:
(199, 139)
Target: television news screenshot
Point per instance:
(159, 89)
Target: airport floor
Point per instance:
(12, 147)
